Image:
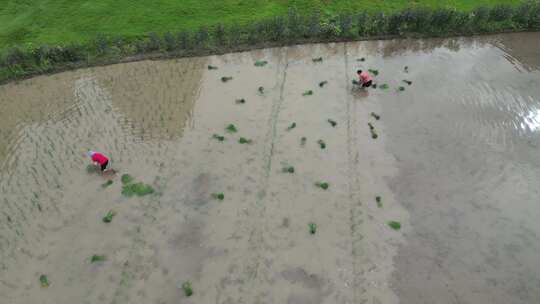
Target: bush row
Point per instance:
(289, 29)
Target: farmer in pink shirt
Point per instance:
(99, 160)
(364, 78)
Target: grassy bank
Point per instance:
(92, 36)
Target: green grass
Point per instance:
(58, 22)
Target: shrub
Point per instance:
(169, 42)
(101, 44)
(219, 35)
(153, 43)
(184, 41)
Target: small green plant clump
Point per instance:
(139, 189)
(322, 185)
(322, 144)
(370, 125)
(97, 258)
(383, 86)
(374, 72)
(303, 141)
(211, 67)
(406, 69)
(44, 281)
(307, 93)
(218, 137)
(374, 86)
(261, 63)
(231, 128)
(401, 89)
(312, 228)
(361, 59)
(408, 82)
(218, 196)
(107, 183)
(394, 225)
(109, 216)
(188, 290)
(318, 59)
(226, 78)
(261, 90)
(292, 126)
(126, 179)
(240, 101)
(379, 201)
(333, 123)
(323, 83)
(243, 140)
(374, 115)
(288, 169)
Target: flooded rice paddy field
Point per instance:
(455, 163)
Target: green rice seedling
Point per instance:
(322, 185)
(188, 290)
(292, 126)
(226, 78)
(361, 59)
(394, 225)
(379, 201)
(97, 258)
(218, 196)
(261, 63)
(408, 82)
(44, 281)
(401, 89)
(211, 67)
(231, 128)
(107, 184)
(218, 137)
(374, 72)
(126, 179)
(322, 144)
(312, 228)
(240, 101)
(303, 141)
(288, 169)
(383, 86)
(138, 189)
(377, 117)
(243, 140)
(307, 93)
(406, 69)
(323, 83)
(374, 134)
(371, 127)
(261, 90)
(109, 216)
(333, 123)
(318, 59)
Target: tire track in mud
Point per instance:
(355, 204)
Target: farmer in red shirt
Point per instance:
(364, 78)
(99, 160)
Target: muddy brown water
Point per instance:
(456, 162)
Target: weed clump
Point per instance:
(261, 90)
(126, 179)
(307, 93)
(401, 89)
(243, 140)
(188, 290)
(323, 83)
(408, 82)
(261, 63)
(312, 228)
(383, 86)
(333, 123)
(374, 72)
(292, 126)
(109, 216)
(107, 184)
(303, 141)
(318, 59)
(231, 128)
(394, 225)
(218, 137)
(44, 281)
(377, 117)
(97, 258)
(218, 196)
(322, 144)
(226, 78)
(211, 67)
(322, 185)
(240, 101)
(139, 189)
(379, 201)
(288, 169)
